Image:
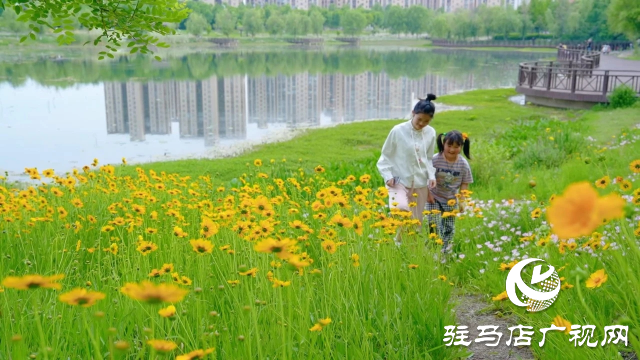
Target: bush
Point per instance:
(622, 97)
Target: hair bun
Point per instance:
(431, 97)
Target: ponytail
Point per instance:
(455, 137)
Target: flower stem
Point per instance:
(91, 336)
(43, 344)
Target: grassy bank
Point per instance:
(360, 142)
(540, 50)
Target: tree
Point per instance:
(440, 27)
(317, 22)
(275, 25)
(395, 20)
(506, 22)
(120, 21)
(253, 22)
(353, 22)
(417, 19)
(538, 10)
(197, 24)
(293, 24)
(8, 21)
(225, 22)
(624, 16)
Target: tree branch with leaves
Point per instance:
(138, 23)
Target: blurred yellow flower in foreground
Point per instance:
(195, 354)
(151, 293)
(81, 297)
(162, 345)
(580, 210)
(33, 282)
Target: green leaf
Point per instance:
(131, 44)
(17, 9)
(23, 39)
(158, 58)
(32, 36)
(110, 55)
(134, 50)
(100, 57)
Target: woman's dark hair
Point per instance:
(425, 106)
(454, 137)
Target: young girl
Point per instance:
(453, 174)
(405, 162)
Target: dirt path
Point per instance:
(469, 312)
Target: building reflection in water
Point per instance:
(221, 108)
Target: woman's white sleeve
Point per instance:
(385, 163)
(431, 171)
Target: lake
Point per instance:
(62, 113)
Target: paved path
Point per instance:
(612, 62)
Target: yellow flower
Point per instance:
(451, 202)
(151, 293)
(208, 228)
(167, 312)
(560, 322)
(319, 169)
(329, 246)
(597, 279)
(33, 282)
(81, 297)
(324, 322)
(281, 248)
(146, 247)
(634, 166)
(536, 213)
(316, 327)
(162, 345)
(413, 266)
(500, 297)
(250, 272)
(603, 182)
(201, 246)
(625, 185)
(257, 162)
(579, 211)
(442, 277)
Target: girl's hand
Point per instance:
(430, 198)
(461, 206)
(391, 182)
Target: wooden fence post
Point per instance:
(574, 76)
(605, 83)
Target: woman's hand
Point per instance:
(390, 182)
(431, 184)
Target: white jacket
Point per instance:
(407, 153)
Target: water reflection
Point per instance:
(55, 113)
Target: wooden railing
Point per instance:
(578, 80)
(539, 43)
(495, 43)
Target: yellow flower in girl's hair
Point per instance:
(465, 136)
